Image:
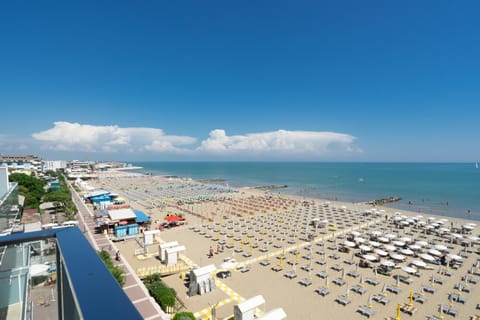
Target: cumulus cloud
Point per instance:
(67, 136)
(311, 144)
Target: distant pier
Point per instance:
(383, 201)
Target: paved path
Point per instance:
(133, 287)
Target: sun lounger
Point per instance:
(457, 298)
(320, 262)
(408, 309)
(339, 282)
(359, 289)
(277, 268)
(419, 298)
(353, 274)
(321, 274)
(365, 311)
(393, 289)
(436, 280)
(372, 281)
(444, 308)
(428, 289)
(341, 299)
(305, 282)
(322, 291)
(336, 268)
(380, 299)
(290, 275)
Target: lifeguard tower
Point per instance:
(201, 280)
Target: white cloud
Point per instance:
(295, 144)
(67, 136)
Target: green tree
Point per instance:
(184, 316)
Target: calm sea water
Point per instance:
(445, 189)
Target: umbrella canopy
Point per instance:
(434, 252)
(406, 239)
(426, 257)
(419, 263)
(227, 265)
(365, 248)
(422, 243)
(415, 247)
(441, 247)
(173, 218)
(376, 233)
(369, 257)
(406, 252)
(389, 247)
(355, 233)
(380, 252)
(390, 236)
(383, 239)
(387, 263)
(359, 240)
(409, 270)
(349, 244)
(396, 256)
(375, 244)
(454, 257)
(398, 243)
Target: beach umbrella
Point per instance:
(369, 257)
(387, 263)
(380, 252)
(440, 247)
(376, 233)
(359, 240)
(434, 252)
(454, 257)
(409, 270)
(389, 248)
(426, 257)
(390, 236)
(365, 248)
(419, 263)
(383, 239)
(397, 317)
(398, 243)
(396, 256)
(406, 252)
(349, 244)
(421, 243)
(375, 244)
(414, 247)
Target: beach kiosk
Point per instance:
(275, 314)
(172, 254)
(149, 236)
(163, 249)
(201, 280)
(245, 310)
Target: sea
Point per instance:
(447, 189)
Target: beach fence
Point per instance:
(162, 270)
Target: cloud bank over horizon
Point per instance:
(280, 144)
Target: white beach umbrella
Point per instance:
(376, 233)
(359, 240)
(380, 252)
(355, 233)
(369, 257)
(387, 263)
(398, 243)
(426, 257)
(440, 247)
(365, 248)
(389, 247)
(405, 239)
(409, 270)
(434, 252)
(468, 227)
(397, 257)
(414, 247)
(375, 244)
(454, 257)
(349, 244)
(422, 243)
(383, 239)
(390, 236)
(406, 252)
(419, 263)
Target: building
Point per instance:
(10, 212)
(54, 165)
(21, 162)
(56, 274)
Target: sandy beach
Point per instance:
(255, 228)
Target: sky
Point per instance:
(241, 80)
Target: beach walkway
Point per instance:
(133, 287)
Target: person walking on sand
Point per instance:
(117, 255)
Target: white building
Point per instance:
(54, 165)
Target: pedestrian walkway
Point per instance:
(133, 287)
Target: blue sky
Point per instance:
(241, 80)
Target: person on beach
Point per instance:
(117, 255)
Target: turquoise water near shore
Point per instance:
(449, 189)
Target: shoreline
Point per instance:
(263, 213)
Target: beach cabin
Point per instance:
(245, 310)
(201, 280)
(172, 254)
(275, 314)
(163, 249)
(149, 236)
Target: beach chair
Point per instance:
(365, 311)
(342, 299)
